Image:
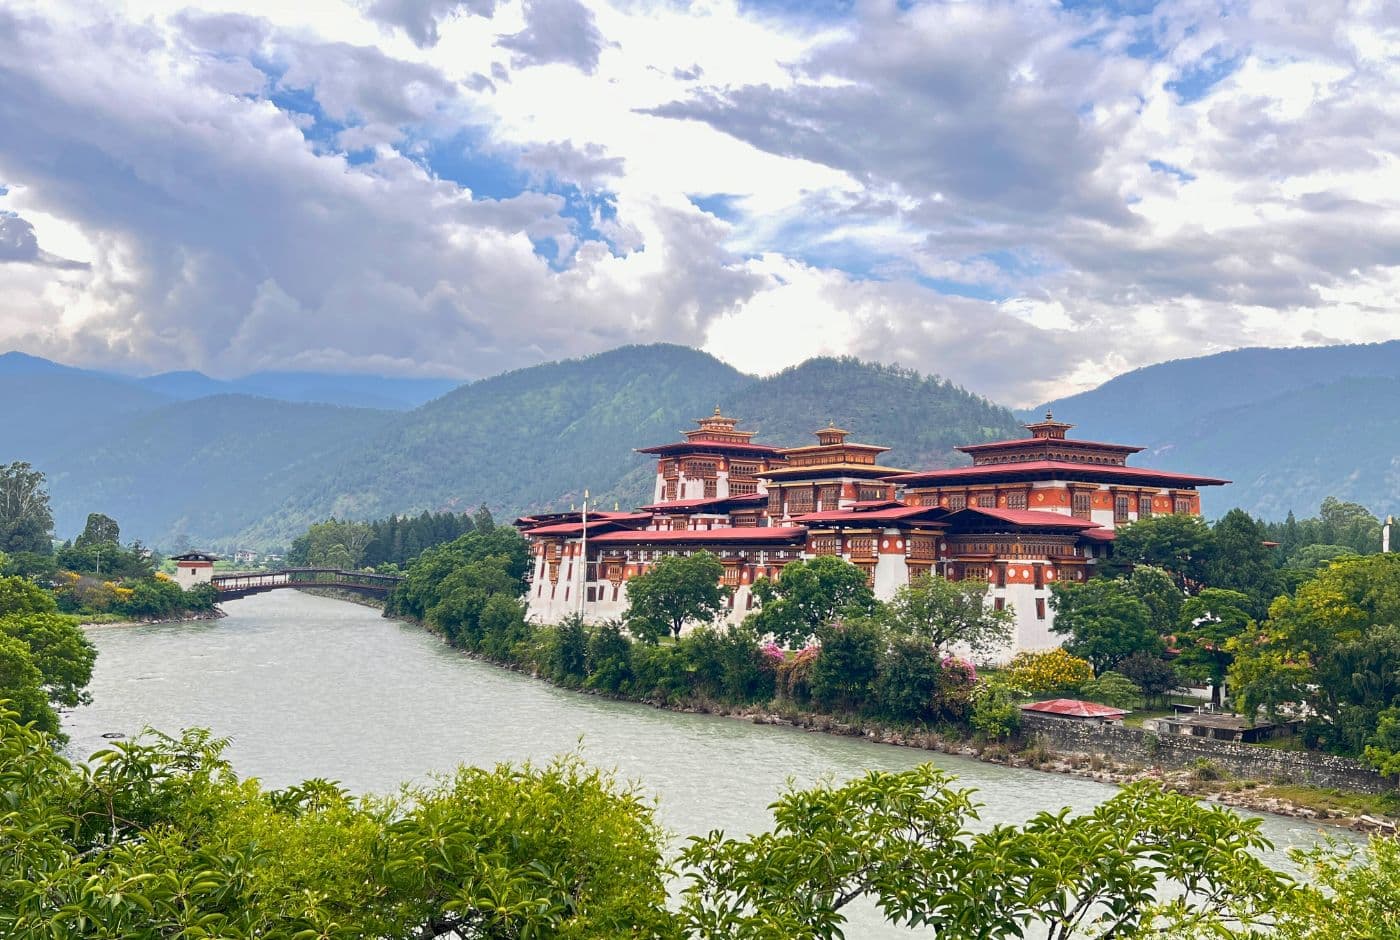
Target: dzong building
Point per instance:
(1027, 513)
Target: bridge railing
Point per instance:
(230, 582)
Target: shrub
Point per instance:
(566, 662)
(502, 627)
(1034, 673)
(1113, 689)
(659, 673)
(906, 685)
(995, 713)
(843, 677)
(794, 679)
(609, 659)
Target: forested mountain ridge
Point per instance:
(1289, 427)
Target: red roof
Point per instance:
(730, 534)
(1058, 441)
(1099, 535)
(865, 516)
(684, 446)
(1074, 708)
(1025, 517)
(1048, 469)
(602, 519)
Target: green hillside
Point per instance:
(529, 439)
(203, 469)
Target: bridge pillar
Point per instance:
(194, 568)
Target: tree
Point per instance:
(1354, 892)
(679, 589)
(1104, 620)
(25, 519)
(1311, 557)
(1242, 562)
(159, 838)
(1150, 673)
(1179, 543)
(1213, 623)
(945, 613)
(331, 544)
(901, 840)
(99, 530)
(22, 687)
(60, 651)
(1158, 592)
(1332, 651)
(808, 595)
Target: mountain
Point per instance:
(392, 393)
(357, 391)
(1288, 426)
(202, 469)
(534, 439)
(46, 408)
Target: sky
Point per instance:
(1024, 197)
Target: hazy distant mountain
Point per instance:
(1288, 426)
(197, 470)
(357, 391)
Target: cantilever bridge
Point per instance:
(240, 584)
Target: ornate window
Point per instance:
(1181, 505)
(1144, 506)
(1016, 501)
(823, 544)
(861, 546)
(799, 501)
(868, 493)
(831, 497)
(987, 501)
(1082, 504)
(1122, 505)
(958, 501)
(711, 488)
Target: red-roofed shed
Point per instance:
(1075, 709)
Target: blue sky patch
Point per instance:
(1158, 166)
(720, 205)
(1198, 79)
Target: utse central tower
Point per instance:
(1027, 513)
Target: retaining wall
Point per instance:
(1180, 752)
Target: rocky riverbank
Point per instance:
(214, 614)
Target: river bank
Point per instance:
(1356, 811)
(214, 614)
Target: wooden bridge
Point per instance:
(232, 585)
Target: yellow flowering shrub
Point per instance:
(1047, 671)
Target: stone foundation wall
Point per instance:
(1180, 752)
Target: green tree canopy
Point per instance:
(1333, 648)
(1105, 621)
(945, 613)
(1212, 625)
(26, 522)
(679, 589)
(1242, 562)
(99, 530)
(808, 595)
(1181, 544)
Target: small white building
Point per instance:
(194, 568)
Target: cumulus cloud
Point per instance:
(556, 31)
(1025, 197)
(420, 18)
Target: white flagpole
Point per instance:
(584, 588)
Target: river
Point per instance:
(307, 686)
